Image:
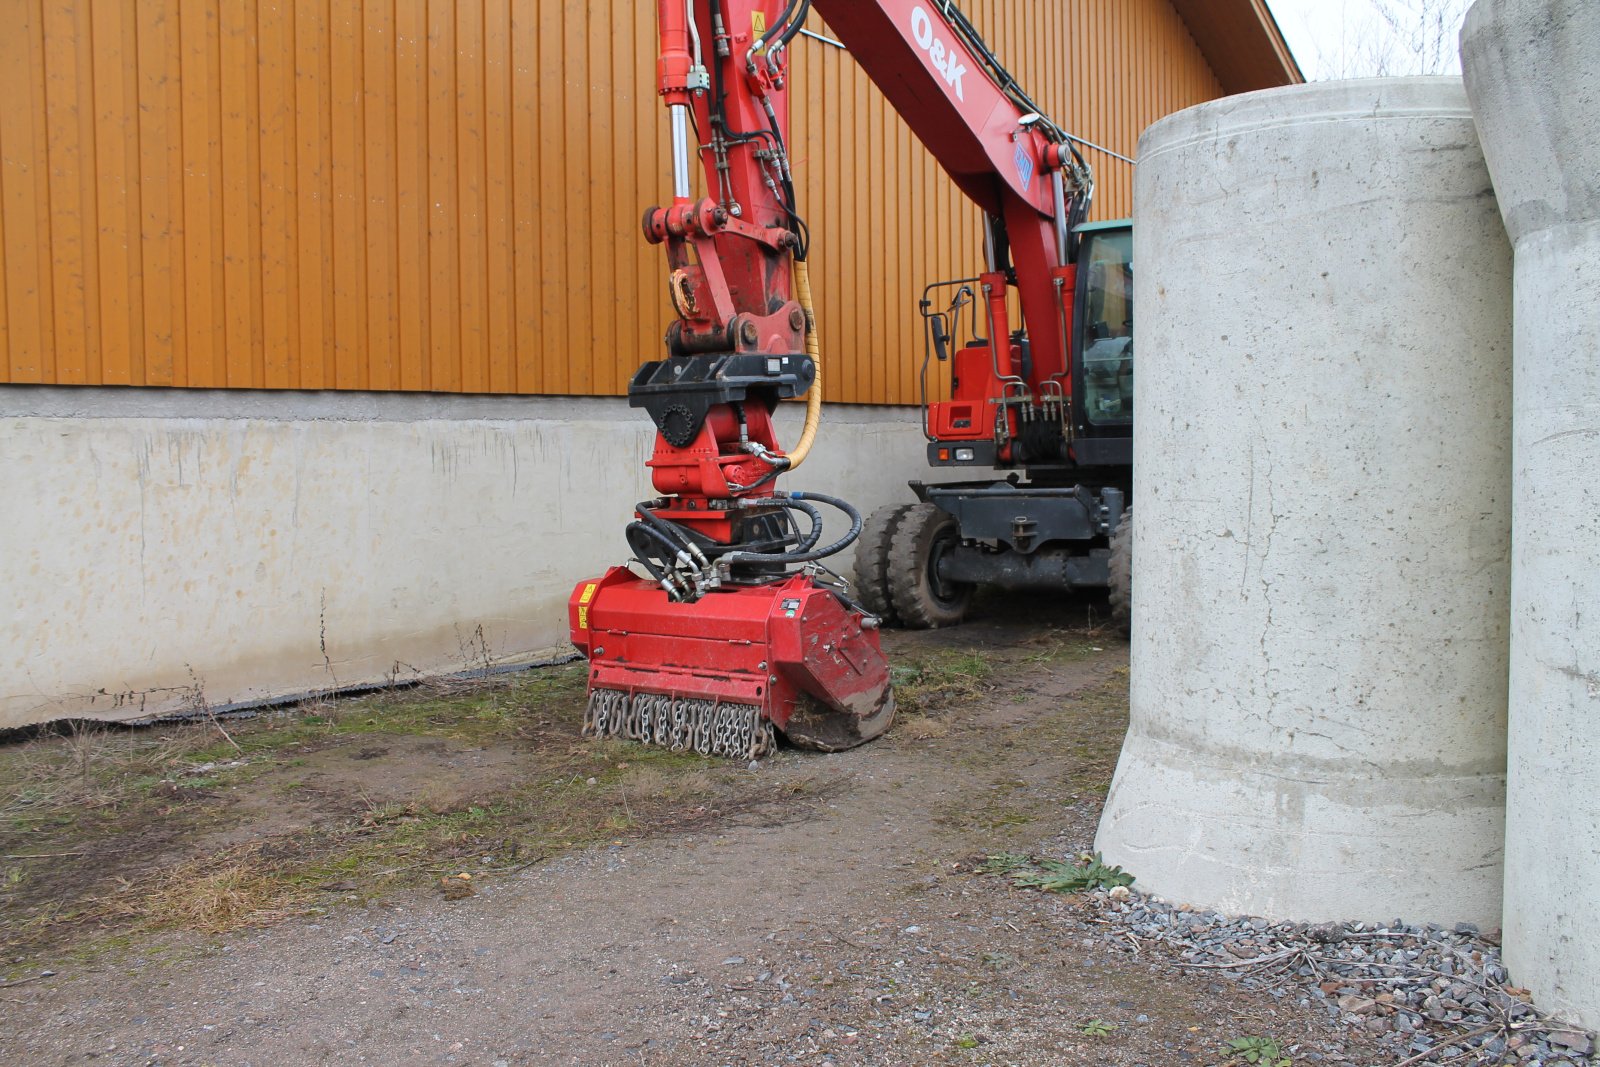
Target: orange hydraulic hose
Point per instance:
(802, 293)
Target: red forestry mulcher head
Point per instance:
(722, 673)
(730, 629)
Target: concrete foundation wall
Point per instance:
(166, 547)
(1533, 74)
(1321, 538)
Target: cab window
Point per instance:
(1107, 342)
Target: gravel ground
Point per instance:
(856, 927)
(1427, 993)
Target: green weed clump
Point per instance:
(1264, 1051)
(1053, 876)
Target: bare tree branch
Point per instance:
(1389, 38)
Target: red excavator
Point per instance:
(731, 629)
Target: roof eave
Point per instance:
(1242, 42)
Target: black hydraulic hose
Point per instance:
(675, 536)
(788, 12)
(671, 532)
(790, 201)
(665, 575)
(719, 99)
(763, 480)
(673, 549)
(802, 557)
(809, 541)
(1006, 81)
(719, 113)
(794, 27)
(1077, 155)
(803, 543)
(1003, 77)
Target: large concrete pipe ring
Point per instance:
(1322, 468)
(1533, 75)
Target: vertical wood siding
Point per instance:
(444, 194)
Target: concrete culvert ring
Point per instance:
(872, 561)
(921, 599)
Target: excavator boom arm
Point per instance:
(957, 99)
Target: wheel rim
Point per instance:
(946, 594)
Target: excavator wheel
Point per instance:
(921, 599)
(1121, 564)
(872, 562)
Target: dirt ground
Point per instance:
(292, 893)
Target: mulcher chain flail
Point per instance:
(713, 728)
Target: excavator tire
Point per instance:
(921, 600)
(872, 562)
(1121, 564)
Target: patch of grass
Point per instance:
(937, 680)
(203, 896)
(1005, 863)
(390, 845)
(115, 823)
(514, 706)
(966, 1041)
(922, 728)
(1097, 1028)
(1059, 646)
(1088, 727)
(1002, 818)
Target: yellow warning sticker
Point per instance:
(758, 23)
(583, 618)
(588, 592)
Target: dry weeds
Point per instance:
(201, 896)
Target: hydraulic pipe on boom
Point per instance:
(734, 631)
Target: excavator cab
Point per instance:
(1103, 340)
(1080, 418)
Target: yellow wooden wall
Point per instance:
(444, 194)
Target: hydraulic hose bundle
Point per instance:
(687, 565)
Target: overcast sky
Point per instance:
(1345, 38)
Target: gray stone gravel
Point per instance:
(1426, 993)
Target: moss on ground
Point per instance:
(105, 830)
(109, 832)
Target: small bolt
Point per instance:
(797, 319)
(748, 332)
